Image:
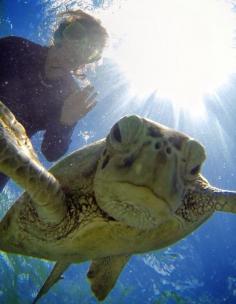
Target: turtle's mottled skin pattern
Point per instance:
(196, 207)
(80, 211)
(140, 189)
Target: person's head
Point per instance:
(78, 40)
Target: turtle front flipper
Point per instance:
(19, 161)
(215, 199)
(103, 274)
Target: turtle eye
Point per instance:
(194, 154)
(126, 133)
(195, 170)
(116, 133)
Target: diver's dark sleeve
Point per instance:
(3, 180)
(18, 55)
(56, 141)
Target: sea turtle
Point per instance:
(138, 190)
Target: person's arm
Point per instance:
(77, 105)
(56, 141)
(3, 180)
(57, 137)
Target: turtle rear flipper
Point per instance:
(103, 274)
(53, 278)
(19, 161)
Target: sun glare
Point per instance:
(182, 49)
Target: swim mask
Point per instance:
(78, 37)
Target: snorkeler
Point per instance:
(38, 84)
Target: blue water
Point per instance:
(200, 268)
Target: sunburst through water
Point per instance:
(180, 49)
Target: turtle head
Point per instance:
(144, 171)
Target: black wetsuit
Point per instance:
(34, 100)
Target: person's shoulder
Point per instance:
(13, 39)
(16, 42)
(19, 48)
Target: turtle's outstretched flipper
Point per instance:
(19, 161)
(103, 274)
(54, 276)
(217, 199)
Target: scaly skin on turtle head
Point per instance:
(144, 171)
(149, 174)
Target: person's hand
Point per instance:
(77, 105)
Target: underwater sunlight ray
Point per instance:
(179, 49)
